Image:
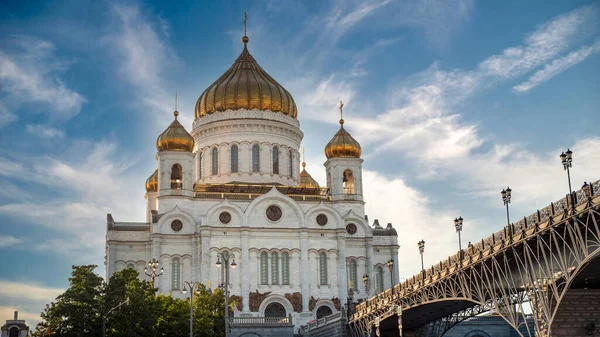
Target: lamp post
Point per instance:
(421, 250)
(506, 195)
(153, 264)
(567, 160)
(108, 313)
(226, 257)
(365, 280)
(390, 265)
(458, 224)
(192, 290)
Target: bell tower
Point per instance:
(344, 165)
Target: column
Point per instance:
(156, 252)
(342, 276)
(205, 266)
(244, 271)
(369, 266)
(304, 281)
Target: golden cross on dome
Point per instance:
(341, 110)
(245, 18)
(303, 154)
(176, 98)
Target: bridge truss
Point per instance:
(527, 267)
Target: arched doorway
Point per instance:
(13, 332)
(275, 310)
(323, 311)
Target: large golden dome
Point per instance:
(245, 86)
(175, 138)
(152, 182)
(342, 145)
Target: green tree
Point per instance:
(174, 317)
(77, 311)
(140, 316)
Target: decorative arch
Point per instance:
(274, 298)
(312, 212)
(164, 223)
(226, 205)
(275, 195)
(477, 333)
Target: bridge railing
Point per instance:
(474, 252)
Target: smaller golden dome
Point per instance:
(342, 145)
(305, 179)
(175, 138)
(152, 182)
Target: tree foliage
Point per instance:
(80, 310)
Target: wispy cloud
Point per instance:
(29, 74)
(557, 66)
(27, 298)
(142, 56)
(8, 241)
(6, 116)
(44, 131)
(26, 291)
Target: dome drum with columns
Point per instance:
(235, 184)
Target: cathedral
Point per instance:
(234, 189)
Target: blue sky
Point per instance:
(451, 100)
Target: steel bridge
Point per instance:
(521, 273)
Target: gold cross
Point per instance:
(341, 110)
(245, 18)
(303, 154)
(175, 101)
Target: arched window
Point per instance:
(323, 268)
(285, 268)
(291, 164)
(130, 266)
(274, 268)
(255, 158)
(215, 161)
(175, 274)
(276, 160)
(234, 158)
(264, 269)
(176, 177)
(348, 182)
(379, 279)
(199, 164)
(352, 274)
(323, 311)
(275, 310)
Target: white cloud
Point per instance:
(6, 116)
(25, 291)
(30, 74)
(9, 241)
(557, 66)
(143, 56)
(44, 131)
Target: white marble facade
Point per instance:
(347, 244)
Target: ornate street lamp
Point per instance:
(506, 195)
(458, 224)
(193, 289)
(567, 160)
(390, 265)
(153, 265)
(421, 250)
(226, 258)
(365, 280)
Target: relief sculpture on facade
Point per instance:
(238, 301)
(256, 299)
(336, 303)
(312, 303)
(296, 300)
